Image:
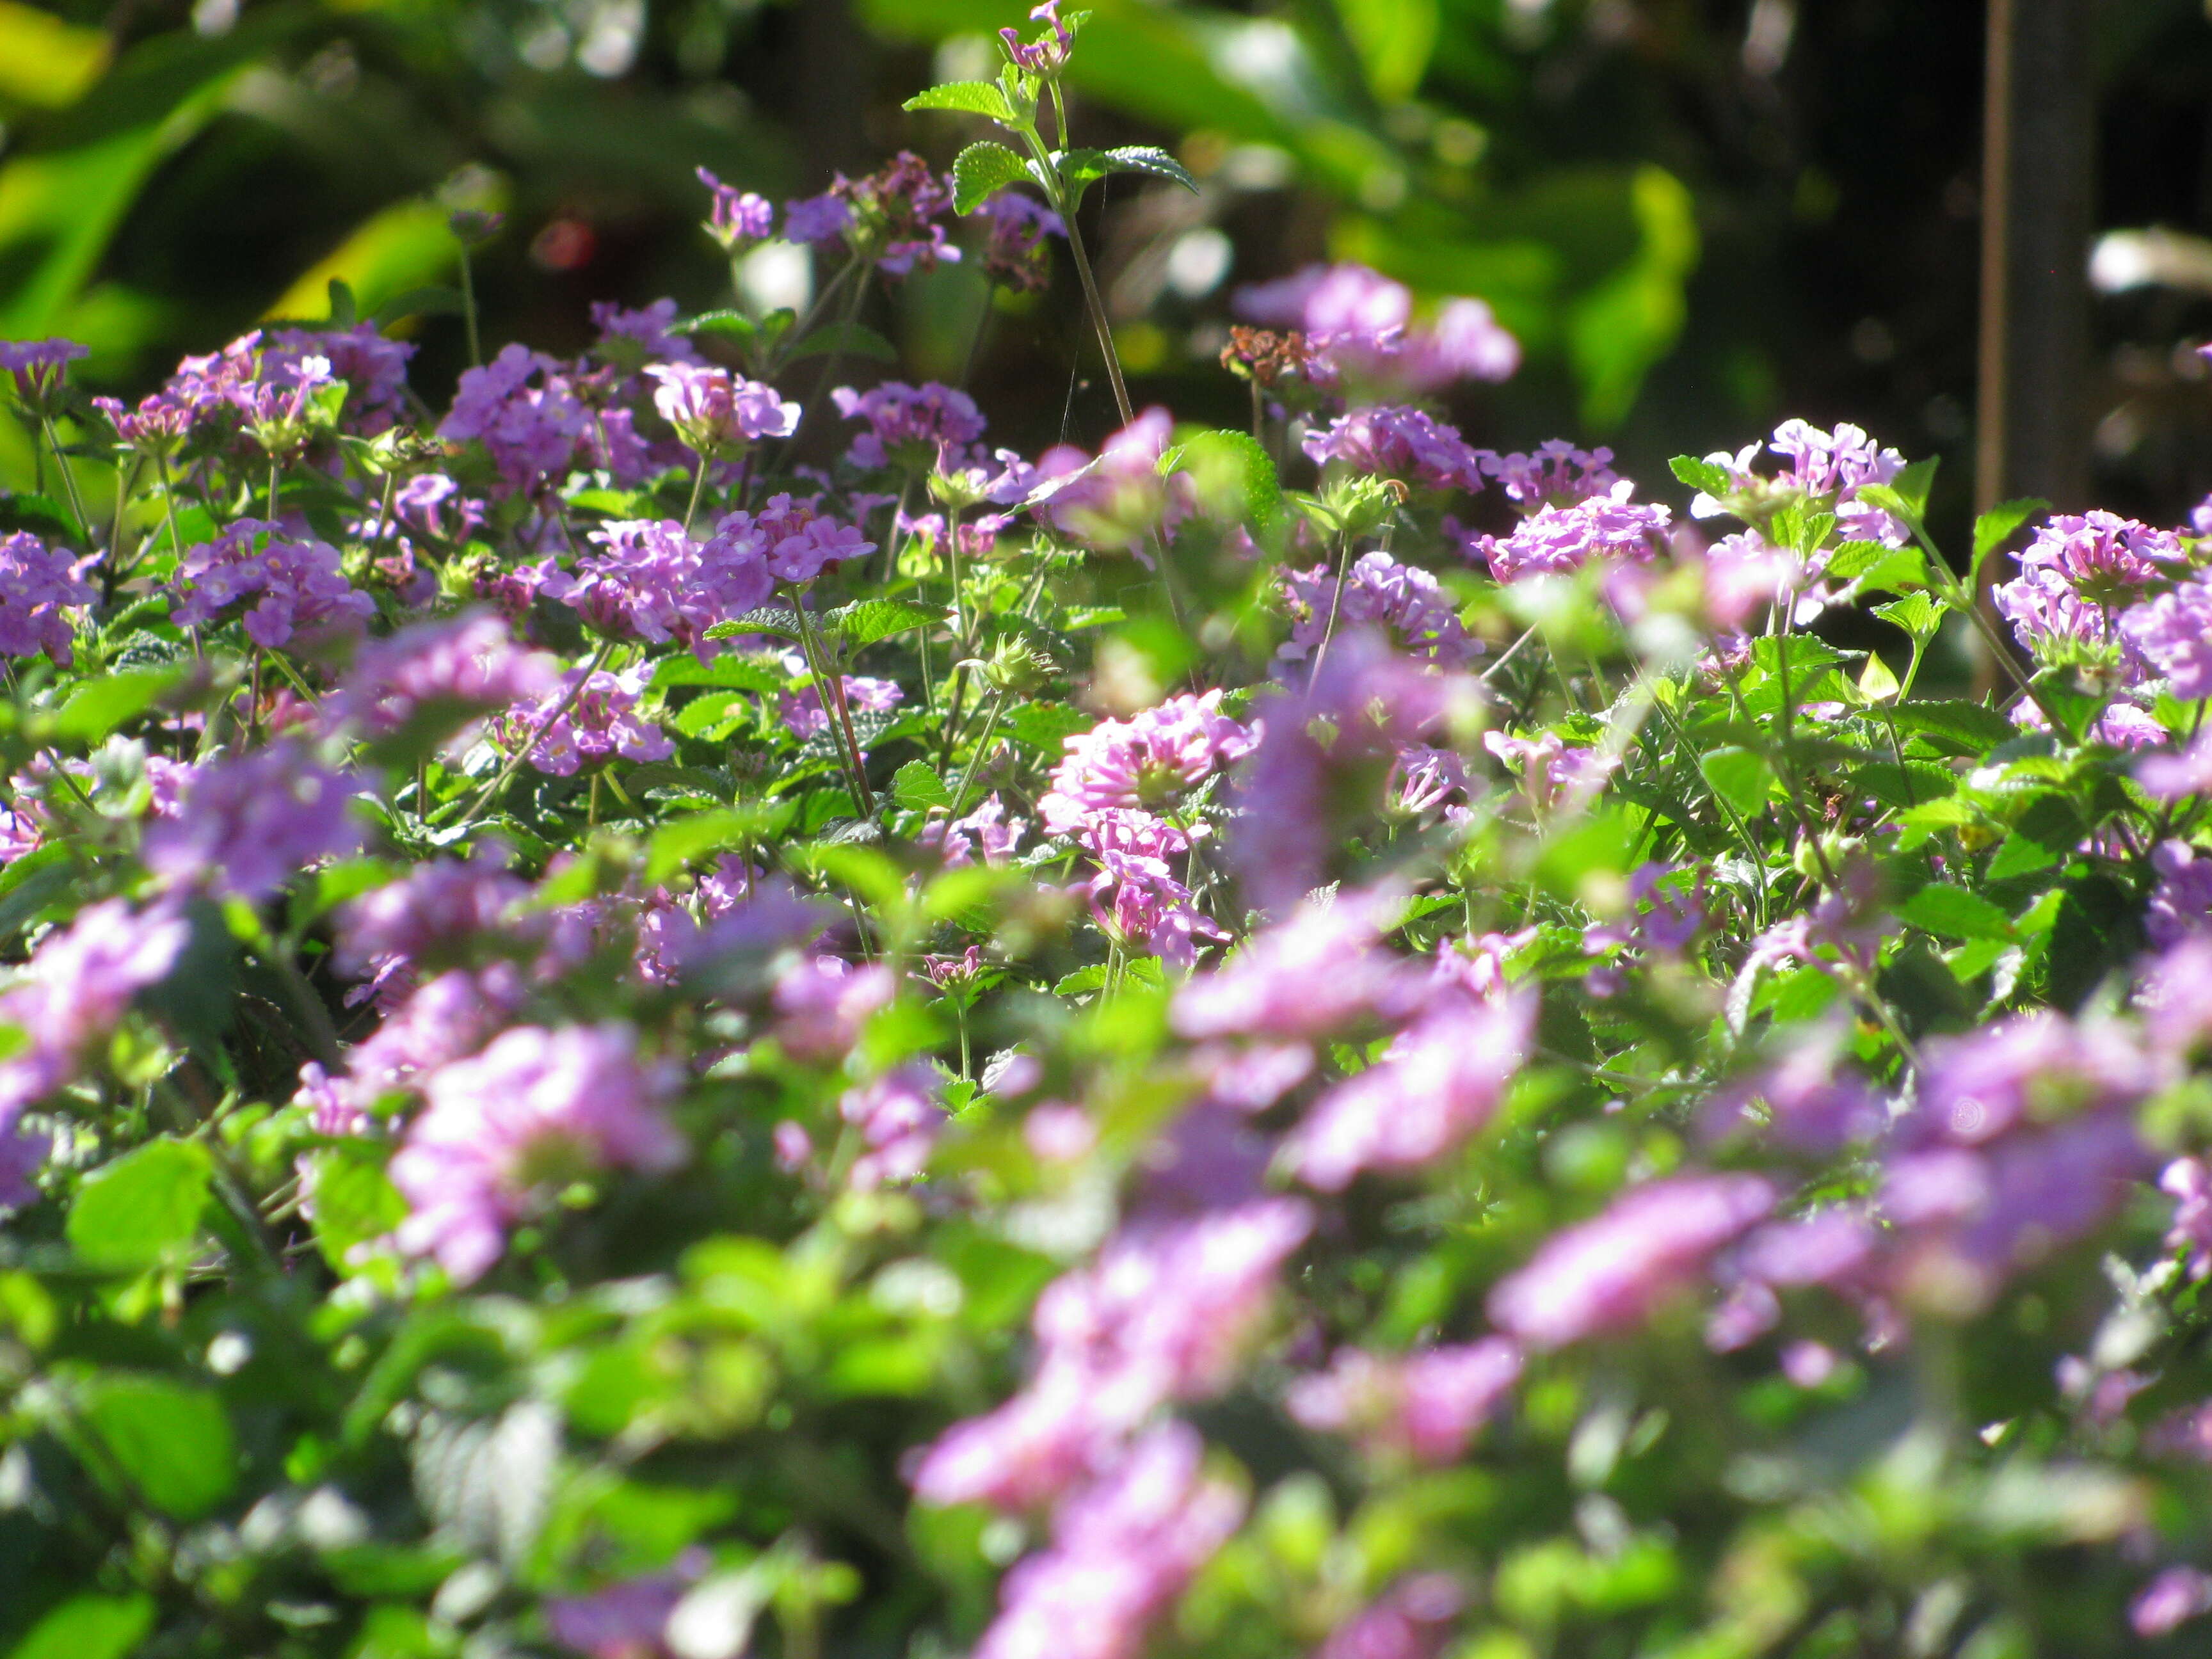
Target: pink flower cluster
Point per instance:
(1378, 589)
(299, 584)
(602, 719)
(535, 1111)
(245, 824)
(909, 425)
(651, 580)
(1558, 540)
(717, 414)
(1362, 331)
(40, 587)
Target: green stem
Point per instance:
(513, 763)
(975, 755)
(829, 688)
(698, 488)
(68, 478)
(469, 306)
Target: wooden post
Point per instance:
(2037, 185)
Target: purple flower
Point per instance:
(374, 368)
(158, 426)
(652, 581)
(1556, 540)
(1135, 897)
(2173, 634)
(1967, 1215)
(804, 716)
(602, 721)
(1117, 503)
(2176, 999)
(1404, 598)
(430, 915)
(1147, 762)
(1310, 975)
(1812, 1102)
(1164, 1314)
(737, 217)
(1322, 749)
(38, 367)
(1122, 1549)
(73, 993)
(719, 414)
(1397, 442)
(822, 1004)
(1359, 328)
(898, 1117)
(625, 1620)
(1553, 776)
(463, 667)
(2189, 1183)
(986, 833)
(1830, 467)
(817, 219)
(533, 431)
(1612, 1273)
(2169, 1601)
(248, 824)
(1557, 475)
(2078, 571)
(1048, 54)
(1411, 1620)
(39, 588)
(2026, 1068)
(536, 1111)
(1426, 1406)
(425, 1027)
(1015, 253)
(797, 540)
(2176, 777)
(1436, 1085)
(2181, 904)
(300, 582)
(649, 334)
(908, 425)
(899, 214)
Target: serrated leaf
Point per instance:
(870, 620)
(676, 844)
(1083, 980)
(966, 97)
(727, 324)
(1708, 477)
(769, 619)
(1046, 726)
(917, 788)
(981, 171)
(1917, 614)
(1996, 527)
(1740, 777)
(1954, 913)
(1234, 477)
(1081, 168)
(143, 1209)
(1971, 725)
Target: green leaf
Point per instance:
(968, 98)
(98, 706)
(90, 1627)
(846, 340)
(981, 171)
(1996, 527)
(676, 844)
(917, 788)
(1954, 912)
(173, 1442)
(1396, 40)
(1083, 980)
(356, 1202)
(1046, 726)
(728, 324)
(143, 1209)
(1917, 614)
(870, 620)
(733, 670)
(1913, 484)
(1739, 777)
(1975, 728)
(769, 619)
(1081, 168)
(432, 301)
(1889, 569)
(1234, 477)
(1709, 477)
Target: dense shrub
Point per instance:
(628, 1046)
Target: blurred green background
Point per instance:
(1699, 215)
